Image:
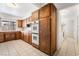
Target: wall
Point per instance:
(66, 18)
(7, 17)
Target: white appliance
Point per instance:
(35, 27)
(35, 32)
(35, 39)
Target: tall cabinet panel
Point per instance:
(45, 35)
(47, 29)
(53, 29)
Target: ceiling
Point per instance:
(59, 6)
(24, 10)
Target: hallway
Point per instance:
(70, 47)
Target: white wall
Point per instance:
(68, 17)
(7, 17)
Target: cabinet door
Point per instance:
(45, 11)
(22, 36)
(25, 37)
(45, 35)
(10, 36)
(18, 35)
(20, 23)
(35, 15)
(1, 37)
(30, 38)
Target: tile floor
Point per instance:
(19, 48)
(70, 47)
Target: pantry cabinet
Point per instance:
(48, 29)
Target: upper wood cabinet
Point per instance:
(29, 19)
(20, 23)
(44, 11)
(35, 15)
(1, 37)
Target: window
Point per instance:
(8, 25)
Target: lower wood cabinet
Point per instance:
(30, 38)
(1, 37)
(22, 36)
(10, 36)
(18, 35)
(7, 36)
(25, 37)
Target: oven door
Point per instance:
(35, 27)
(35, 39)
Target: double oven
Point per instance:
(35, 32)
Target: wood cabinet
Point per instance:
(48, 29)
(20, 23)
(53, 29)
(18, 35)
(44, 11)
(35, 15)
(25, 37)
(29, 19)
(22, 36)
(30, 38)
(7, 36)
(45, 35)
(10, 36)
(1, 37)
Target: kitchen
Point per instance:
(38, 34)
(35, 30)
